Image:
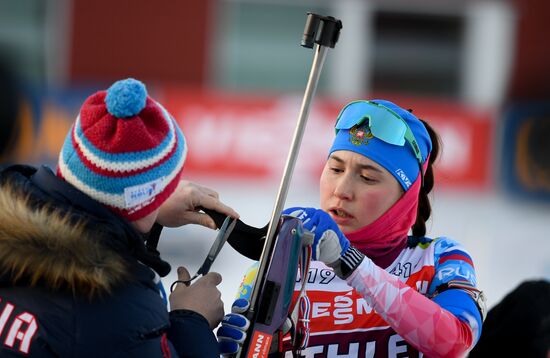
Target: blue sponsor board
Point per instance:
(526, 150)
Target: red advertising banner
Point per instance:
(248, 137)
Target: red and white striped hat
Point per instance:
(124, 150)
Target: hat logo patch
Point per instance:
(138, 194)
(404, 178)
(360, 135)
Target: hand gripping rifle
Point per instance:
(280, 248)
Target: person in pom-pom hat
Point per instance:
(79, 269)
(378, 286)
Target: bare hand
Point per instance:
(181, 207)
(201, 297)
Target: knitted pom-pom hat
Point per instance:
(124, 150)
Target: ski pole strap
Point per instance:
(301, 312)
(302, 329)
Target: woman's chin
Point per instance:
(346, 224)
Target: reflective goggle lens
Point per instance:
(384, 124)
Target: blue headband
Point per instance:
(399, 160)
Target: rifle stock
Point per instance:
(276, 287)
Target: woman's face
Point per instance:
(355, 190)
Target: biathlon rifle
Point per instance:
(278, 246)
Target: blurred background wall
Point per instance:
(232, 72)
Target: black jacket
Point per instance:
(77, 280)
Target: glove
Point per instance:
(232, 332)
(330, 245)
(329, 242)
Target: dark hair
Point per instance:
(519, 325)
(424, 207)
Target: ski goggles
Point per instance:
(383, 123)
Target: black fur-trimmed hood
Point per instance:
(53, 235)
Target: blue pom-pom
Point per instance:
(126, 98)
